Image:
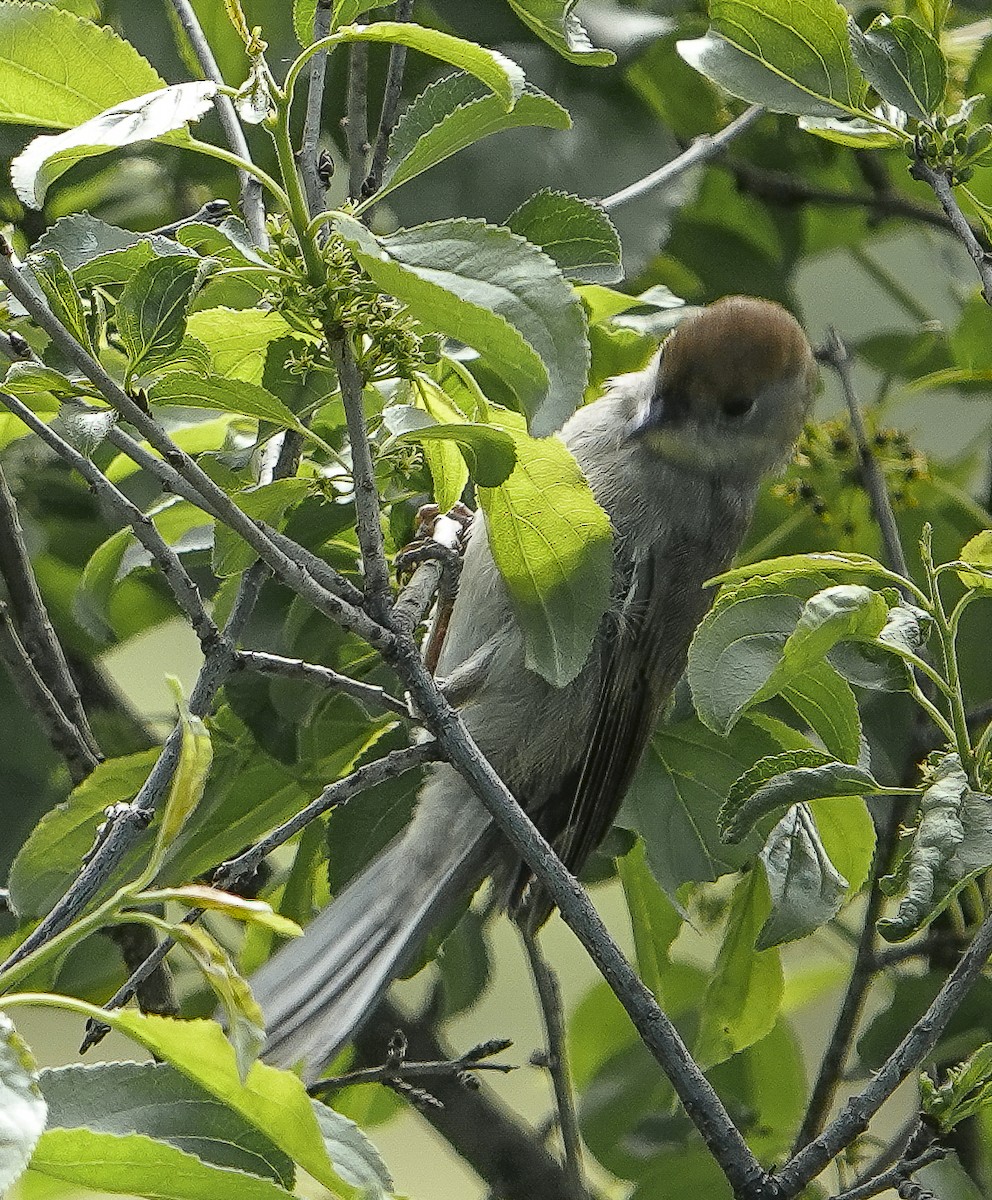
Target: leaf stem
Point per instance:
(241, 164)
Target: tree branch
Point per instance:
(183, 589)
(862, 973)
(944, 191)
(313, 185)
(65, 737)
(357, 120)
(398, 1068)
(549, 995)
(702, 1104)
(212, 497)
(295, 668)
(396, 762)
(252, 205)
(781, 188)
(702, 150)
(836, 355)
(378, 593)
(33, 623)
(390, 105)
(908, 1055)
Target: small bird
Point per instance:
(674, 454)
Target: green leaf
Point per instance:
(41, 388)
(21, 1103)
(977, 552)
(273, 1101)
(857, 132)
(553, 546)
(829, 563)
(951, 844)
(806, 888)
(576, 233)
(176, 520)
(823, 699)
(676, 796)
(844, 612)
(133, 1164)
(144, 118)
(238, 908)
(269, 503)
(492, 290)
(97, 253)
(242, 1015)
(64, 298)
(742, 999)
(965, 1091)
(902, 62)
(453, 113)
(499, 73)
(188, 779)
(793, 58)
(738, 645)
(156, 1100)
(49, 859)
(151, 313)
(218, 392)
(490, 453)
(36, 43)
(653, 918)
(555, 22)
(238, 339)
(355, 1158)
(780, 780)
(848, 836)
(447, 464)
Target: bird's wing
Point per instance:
(633, 686)
(642, 659)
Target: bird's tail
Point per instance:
(317, 990)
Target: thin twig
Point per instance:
(183, 589)
(790, 191)
(357, 120)
(702, 150)
(835, 355)
(396, 762)
(63, 734)
(549, 995)
(378, 594)
(908, 1055)
(390, 105)
(202, 696)
(234, 872)
(310, 142)
(295, 668)
(476, 1123)
(449, 1068)
(944, 191)
(33, 622)
(862, 974)
(214, 499)
(118, 835)
(893, 1177)
(252, 206)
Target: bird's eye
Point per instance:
(737, 407)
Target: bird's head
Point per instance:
(733, 387)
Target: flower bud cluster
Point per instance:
(387, 343)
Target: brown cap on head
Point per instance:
(737, 345)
